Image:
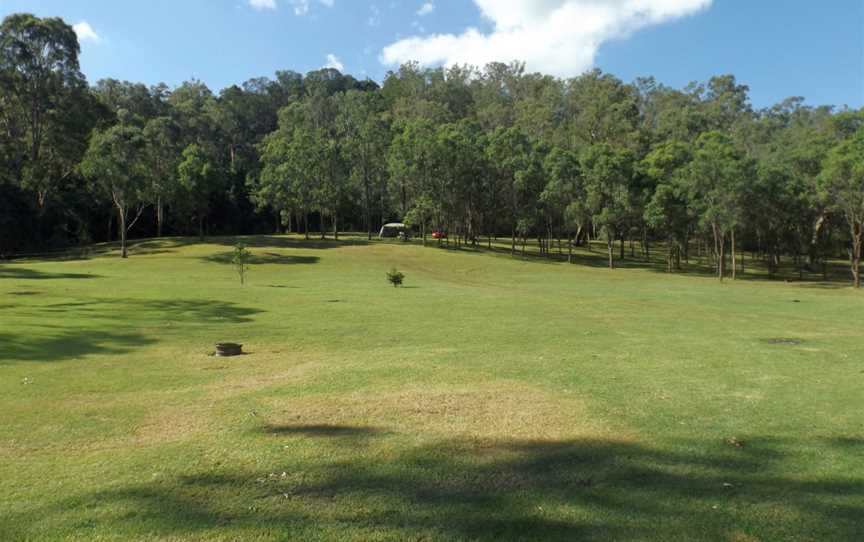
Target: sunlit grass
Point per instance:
(490, 397)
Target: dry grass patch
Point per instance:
(498, 410)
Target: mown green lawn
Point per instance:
(490, 398)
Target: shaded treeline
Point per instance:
(478, 152)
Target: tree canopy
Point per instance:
(477, 152)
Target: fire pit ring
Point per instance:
(224, 350)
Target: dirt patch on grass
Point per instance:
(505, 410)
(172, 425)
(260, 377)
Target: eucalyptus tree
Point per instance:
(161, 155)
(511, 158)
(191, 103)
(607, 171)
(292, 162)
(411, 163)
(715, 188)
(364, 136)
(494, 92)
(457, 155)
(44, 106)
(666, 212)
(137, 102)
(842, 187)
(113, 163)
(563, 196)
(198, 178)
(599, 108)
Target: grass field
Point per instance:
(490, 398)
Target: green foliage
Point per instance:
(476, 151)
(198, 181)
(395, 277)
(842, 188)
(113, 163)
(240, 259)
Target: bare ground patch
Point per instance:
(500, 410)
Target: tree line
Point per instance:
(478, 152)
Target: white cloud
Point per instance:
(334, 62)
(86, 33)
(426, 8)
(301, 7)
(559, 37)
(262, 4)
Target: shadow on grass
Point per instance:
(322, 430)
(68, 344)
(168, 245)
(250, 241)
(265, 258)
(506, 489)
(161, 310)
(22, 273)
(836, 274)
(112, 326)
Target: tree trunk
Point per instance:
(160, 216)
(734, 260)
(368, 189)
(857, 235)
(512, 239)
(569, 249)
(610, 246)
(306, 225)
(121, 216)
(201, 226)
(645, 247)
(719, 249)
(335, 226)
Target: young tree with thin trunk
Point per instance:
(112, 162)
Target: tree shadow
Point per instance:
(322, 430)
(250, 241)
(23, 273)
(265, 258)
(68, 344)
(112, 326)
(836, 275)
(501, 489)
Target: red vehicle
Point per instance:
(439, 234)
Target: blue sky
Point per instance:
(779, 48)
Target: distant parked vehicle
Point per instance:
(392, 230)
(439, 234)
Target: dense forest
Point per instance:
(481, 152)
